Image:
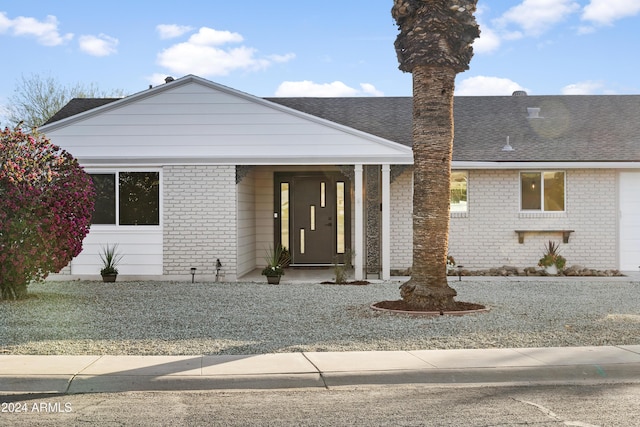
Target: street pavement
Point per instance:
(112, 374)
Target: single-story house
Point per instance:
(191, 172)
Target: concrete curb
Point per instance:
(96, 374)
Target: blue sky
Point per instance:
(314, 48)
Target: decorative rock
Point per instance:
(573, 271)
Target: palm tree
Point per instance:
(434, 44)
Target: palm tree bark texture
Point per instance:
(434, 44)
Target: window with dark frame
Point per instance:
(137, 196)
(105, 202)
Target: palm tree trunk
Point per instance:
(432, 147)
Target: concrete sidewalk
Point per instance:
(94, 374)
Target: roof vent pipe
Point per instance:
(508, 146)
(169, 79)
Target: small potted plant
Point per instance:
(110, 259)
(551, 260)
(276, 259)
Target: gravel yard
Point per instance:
(162, 318)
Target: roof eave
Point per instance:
(544, 165)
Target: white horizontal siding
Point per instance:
(141, 248)
(236, 146)
(209, 122)
(198, 118)
(173, 130)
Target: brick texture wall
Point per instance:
(200, 222)
(401, 222)
(486, 237)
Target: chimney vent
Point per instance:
(533, 113)
(169, 79)
(519, 93)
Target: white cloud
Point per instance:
(488, 42)
(210, 37)
(282, 58)
(5, 23)
(324, 90)
(583, 88)
(605, 12)
(530, 18)
(170, 31)
(535, 17)
(370, 89)
(187, 58)
(101, 45)
(487, 86)
(204, 54)
(45, 32)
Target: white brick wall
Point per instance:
(200, 223)
(401, 222)
(485, 237)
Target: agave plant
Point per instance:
(110, 258)
(277, 260)
(551, 256)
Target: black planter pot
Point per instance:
(108, 278)
(273, 280)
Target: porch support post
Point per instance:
(386, 223)
(358, 262)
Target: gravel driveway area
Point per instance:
(163, 318)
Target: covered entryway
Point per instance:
(629, 221)
(207, 217)
(312, 216)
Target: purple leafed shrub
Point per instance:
(46, 204)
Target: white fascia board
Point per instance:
(544, 165)
(253, 161)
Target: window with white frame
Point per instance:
(542, 191)
(127, 198)
(458, 200)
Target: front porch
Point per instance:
(307, 275)
(316, 230)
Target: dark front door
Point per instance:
(312, 214)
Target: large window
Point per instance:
(542, 191)
(105, 207)
(459, 191)
(137, 195)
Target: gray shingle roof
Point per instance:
(600, 128)
(572, 128)
(79, 105)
